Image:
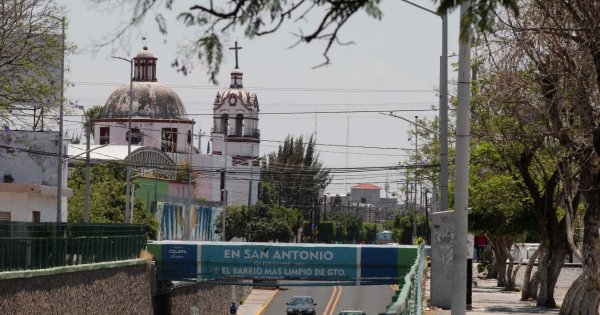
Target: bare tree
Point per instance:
(550, 59)
(30, 60)
(213, 22)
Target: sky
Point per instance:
(393, 65)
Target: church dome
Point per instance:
(150, 98)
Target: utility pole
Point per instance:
(443, 108)
(86, 196)
(224, 195)
(461, 192)
(426, 237)
(325, 209)
(443, 112)
(128, 204)
(59, 185)
(414, 232)
(251, 164)
(128, 196)
(188, 221)
(406, 192)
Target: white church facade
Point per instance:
(164, 135)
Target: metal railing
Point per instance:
(27, 246)
(408, 300)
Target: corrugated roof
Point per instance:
(366, 186)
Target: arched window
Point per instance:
(239, 125)
(224, 123)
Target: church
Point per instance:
(163, 140)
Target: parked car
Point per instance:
(301, 304)
(352, 312)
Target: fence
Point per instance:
(408, 300)
(25, 245)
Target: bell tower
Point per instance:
(235, 130)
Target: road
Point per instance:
(331, 300)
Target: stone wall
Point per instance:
(201, 298)
(105, 289)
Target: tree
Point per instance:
(509, 115)
(214, 22)
(260, 223)
(546, 77)
(368, 233)
(500, 209)
(349, 225)
(294, 176)
(107, 197)
(30, 59)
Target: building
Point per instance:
(365, 193)
(163, 137)
(363, 198)
(28, 169)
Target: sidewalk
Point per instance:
(489, 299)
(256, 302)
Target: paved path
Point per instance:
(256, 302)
(487, 298)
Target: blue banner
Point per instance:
(178, 261)
(278, 261)
(214, 261)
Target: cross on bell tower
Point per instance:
(236, 48)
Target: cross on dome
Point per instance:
(236, 74)
(236, 48)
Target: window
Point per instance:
(169, 140)
(104, 135)
(5, 216)
(136, 136)
(239, 124)
(224, 123)
(35, 216)
(363, 200)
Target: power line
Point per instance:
(308, 112)
(264, 88)
(266, 140)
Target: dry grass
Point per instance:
(146, 255)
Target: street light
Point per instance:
(128, 188)
(443, 110)
(461, 170)
(224, 192)
(59, 184)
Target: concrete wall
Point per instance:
(442, 236)
(29, 159)
(34, 163)
(151, 130)
(200, 299)
(121, 287)
(209, 183)
(22, 204)
(371, 195)
(442, 251)
(112, 288)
